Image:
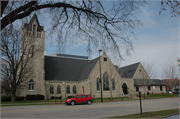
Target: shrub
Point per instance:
(30, 97)
(19, 98)
(59, 97)
(35, 97)
(52, 97)
(39, 97)
(8, 98)
(70, 97)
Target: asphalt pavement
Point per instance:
(95, 110)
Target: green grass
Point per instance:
(31, 102)
(156, 96)
(155, 114)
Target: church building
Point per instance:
(67, 75)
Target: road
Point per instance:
(95, 110)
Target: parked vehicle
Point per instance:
(175, 92)
(168, 92)
(79, 99)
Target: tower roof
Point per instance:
(29, 26)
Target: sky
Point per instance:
(158, 40)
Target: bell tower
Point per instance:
(33, 39)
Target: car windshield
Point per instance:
(74, 96)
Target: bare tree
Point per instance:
(99, 23)
(174, 6)
(16, 55)
(170, 72)
(150, 70)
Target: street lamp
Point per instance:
(100, 74)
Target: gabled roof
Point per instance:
(88, 68)
(67, 69)
(128, 71)
(150, 82)
(29, 26)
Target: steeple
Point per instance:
(33, 28)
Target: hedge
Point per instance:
(52, 97)
(8, 98)
(35, 97)
(70, 97)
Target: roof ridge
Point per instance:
(66, 57)
(130, 65)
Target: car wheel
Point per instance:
(89, 102)
(72, 102)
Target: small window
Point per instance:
(31, 84)
(105, 59)
(137, 88)
(149, 87)
(51, 89)
(98, 84)
(74, 89)
(34, 29)
(68, 89)
(160, 88)
(113, 84)
(58, 89)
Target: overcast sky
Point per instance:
(157, 41)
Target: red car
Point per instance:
(79, 99)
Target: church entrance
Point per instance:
(124, 88)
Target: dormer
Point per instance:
(33, 28)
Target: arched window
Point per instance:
(105, 81)
(58, 89)
(51, 89)
(124, 88)
(113, 84)
(74, 89)
(34, 29)
(137, 88)
(98, 84)
(68, 89)
(31, 84)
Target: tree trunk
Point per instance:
(13, 98)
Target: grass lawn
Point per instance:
(156, 96)
(156, 114)
(95, 100)
(31, 102)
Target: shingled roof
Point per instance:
(29, 26)
(88, 68)
(67, 69)
(150, 82)
(128, 71)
